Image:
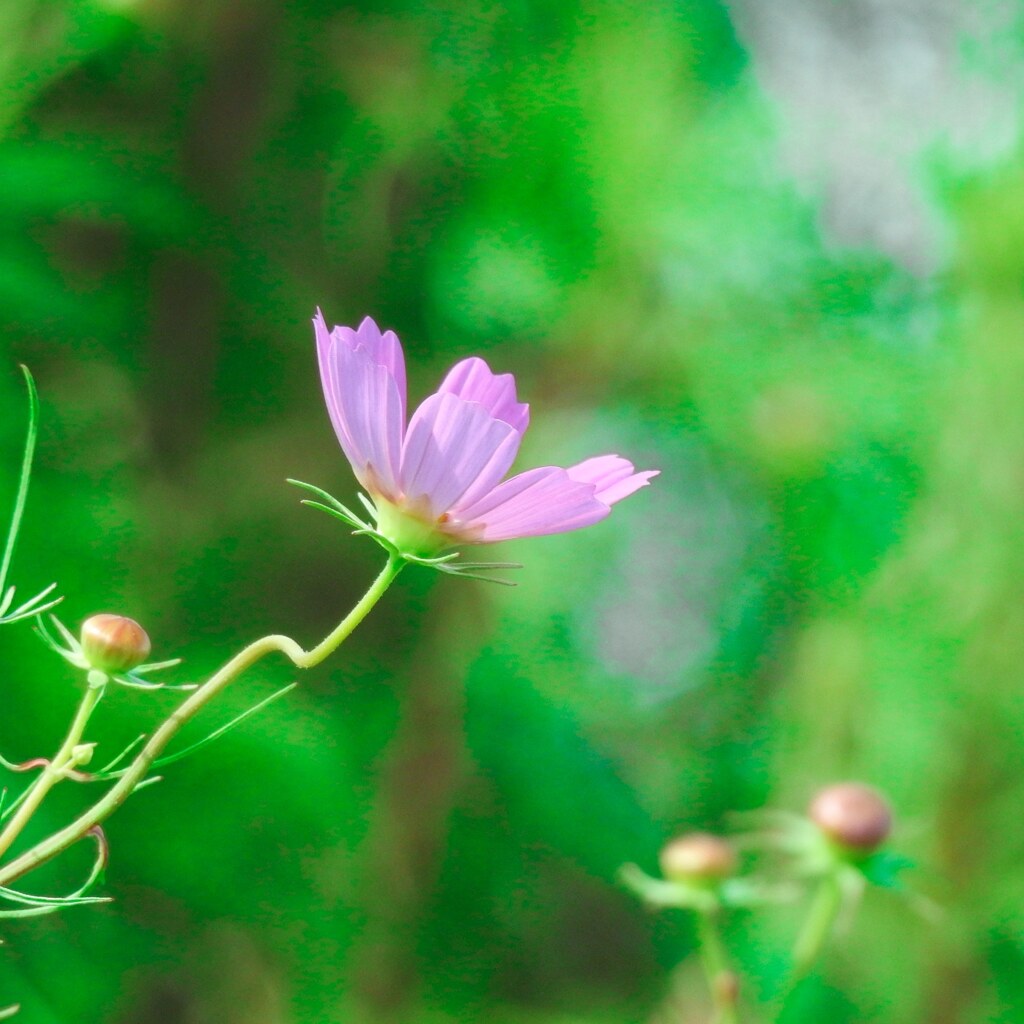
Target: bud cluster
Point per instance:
(839, 840)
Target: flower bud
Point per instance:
(698, 857)
(852, 815)
(81, 754)
(114, 643)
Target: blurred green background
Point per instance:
(775, 250)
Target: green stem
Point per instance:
(136, 772)
(722, 981)
(817, 927)
(54, 771)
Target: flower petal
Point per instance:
(383, 348)
(472, 380)
(454, 451)
(614, 477)
(365, 400)
(531, 504)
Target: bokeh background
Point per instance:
(775, 250)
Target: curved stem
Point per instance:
(54, 771)
(721, 979)
(817, 927)
(136, 772)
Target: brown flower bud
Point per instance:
(114, 643)
(852, 815)
(697, 857)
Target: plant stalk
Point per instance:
(722, 980)
(53, 772)
(817, 927)
(103, 808)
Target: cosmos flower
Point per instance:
(440, 480)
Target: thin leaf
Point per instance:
(199, 744)
(237, 720)
(43, 911)
(34, 600)
(48, 901)
(39, 905)
(120, 757)
(9, 1011)
(26, 473)
(16, 802)
(32, 607)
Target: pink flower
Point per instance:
(440, 480)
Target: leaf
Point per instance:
(36, 906)
(33, 605)
(179, 754)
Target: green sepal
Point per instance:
(885, 869)
(447, 563)
(658, 892)
(467, 570)
(329, 504)
(705, 897)
(71, 652)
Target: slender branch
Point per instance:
(135, 774)
(53, 772)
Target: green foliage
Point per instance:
(824, 583)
